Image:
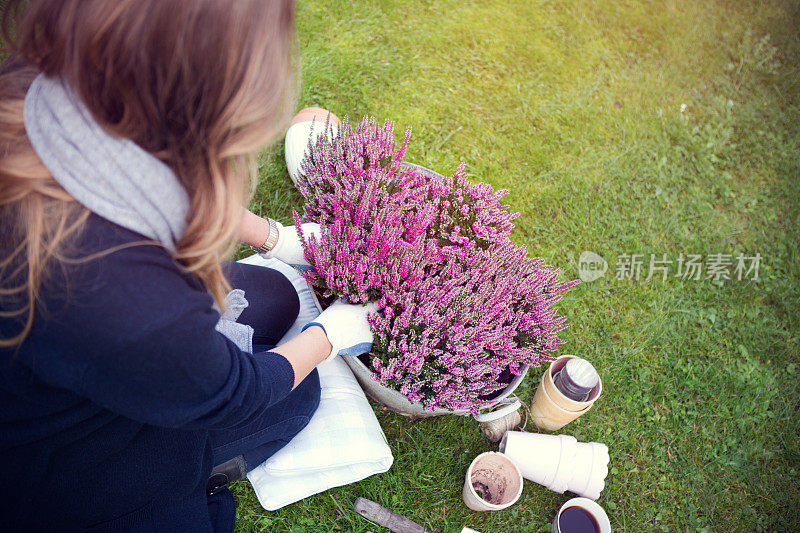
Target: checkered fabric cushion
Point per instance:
(343, 443)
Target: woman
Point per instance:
(128, 130)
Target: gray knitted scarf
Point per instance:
(113, 177)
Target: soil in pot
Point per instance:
(489, 485)
(365, 358)
(505, 378)
(324, 301)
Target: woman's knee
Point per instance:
(286, 294)
(317, 114)
(273, 304)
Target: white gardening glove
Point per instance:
(288, 248)
(346, 327)
(296, 143)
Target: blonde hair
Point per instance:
(200, 84)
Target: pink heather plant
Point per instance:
(462, 305)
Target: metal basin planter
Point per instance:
(399, 403)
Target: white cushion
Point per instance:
(343, 443)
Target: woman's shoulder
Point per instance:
(102, 242)
(101, 235)
(111, 291)
(111, 265)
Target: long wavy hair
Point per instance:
(200, 84)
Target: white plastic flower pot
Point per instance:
(588, 480)
(559, 462)
(493, 482)
(566, 464)
(537, 456)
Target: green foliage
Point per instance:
(576, 108)
(754, 55)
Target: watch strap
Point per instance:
(272, 238)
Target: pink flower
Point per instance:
(463, 307)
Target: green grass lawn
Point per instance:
(620, 127)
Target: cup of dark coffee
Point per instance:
(581, 515)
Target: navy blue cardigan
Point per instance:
(108, 403)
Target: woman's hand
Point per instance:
(255, 231)
(342, 329)
(346, 327)
(289, 249)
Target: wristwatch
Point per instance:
(272, 238)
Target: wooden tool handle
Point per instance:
(384, 517)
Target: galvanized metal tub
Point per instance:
(399, 403)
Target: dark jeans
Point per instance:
(273, 307)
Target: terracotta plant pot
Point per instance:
(493, 482)
(551, 409)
